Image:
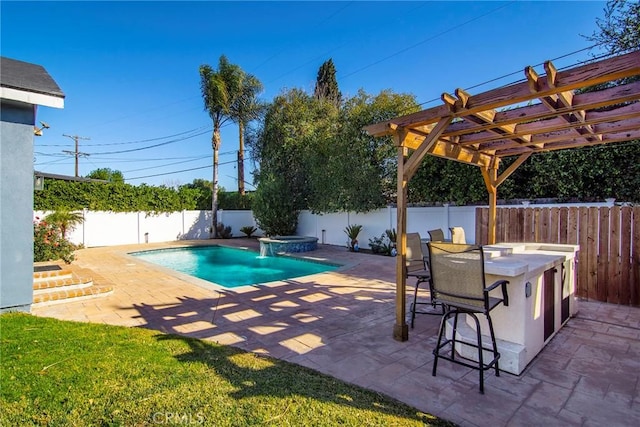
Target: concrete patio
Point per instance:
(340, 323)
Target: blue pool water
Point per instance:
(230, 267)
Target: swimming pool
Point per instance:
(231, 267)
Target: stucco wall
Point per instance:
(16, 206)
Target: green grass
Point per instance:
(60, 373)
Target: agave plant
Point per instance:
(248, 230)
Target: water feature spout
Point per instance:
(266, 249)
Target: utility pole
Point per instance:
(76, 153)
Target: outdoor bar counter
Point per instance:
(541, 290)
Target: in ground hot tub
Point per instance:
(283, 244)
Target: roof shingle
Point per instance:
(28, 77)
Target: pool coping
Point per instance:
(212, 286)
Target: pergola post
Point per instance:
(492, 181)
(490, 175)
(407, 167)
(401, 329)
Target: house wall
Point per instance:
(16, 202)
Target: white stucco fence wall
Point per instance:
(110, 228)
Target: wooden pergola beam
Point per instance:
(511, 169)
(416, 158)
(584, 101)
(619, 67)
(563, 145)
(540, 129)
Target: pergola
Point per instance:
(470, 129)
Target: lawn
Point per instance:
(68, 373)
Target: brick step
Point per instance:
(57, 283)
(61, 295)
(69, 283)
(41, 276)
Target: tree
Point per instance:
(348, 169)
(220, 90)
(107, 174)
(619, 30)
(327, 85)
(280, 146)
(245, 109)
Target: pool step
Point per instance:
(60, 285)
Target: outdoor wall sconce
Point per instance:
(37, 131)
(38, 182)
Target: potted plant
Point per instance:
(352, 232)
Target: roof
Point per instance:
(29, 83)
(66, 177)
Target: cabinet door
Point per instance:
(565, 296)
(548, 302)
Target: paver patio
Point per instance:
(340, 323)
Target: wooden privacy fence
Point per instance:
(608, 264)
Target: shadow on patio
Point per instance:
(340, 323)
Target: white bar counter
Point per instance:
(541, 291)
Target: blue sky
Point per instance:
(129, 70)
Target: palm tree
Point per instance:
(220, 90)
(65, 219)
(245, 109)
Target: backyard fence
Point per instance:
(608, 264)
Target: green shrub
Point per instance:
(116, 197)
(274, 208)
(376, 244)
(49, 244)
(232, 200)
(384, 244)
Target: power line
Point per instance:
(185, 170)
(76, 153)
(426, 40)
(346, 76)
(316, 26)
(161, 166)
(520, 71)
(134, 142)
(153, 146)
(170, 173)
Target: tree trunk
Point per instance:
(215, 142)
(241, 159)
